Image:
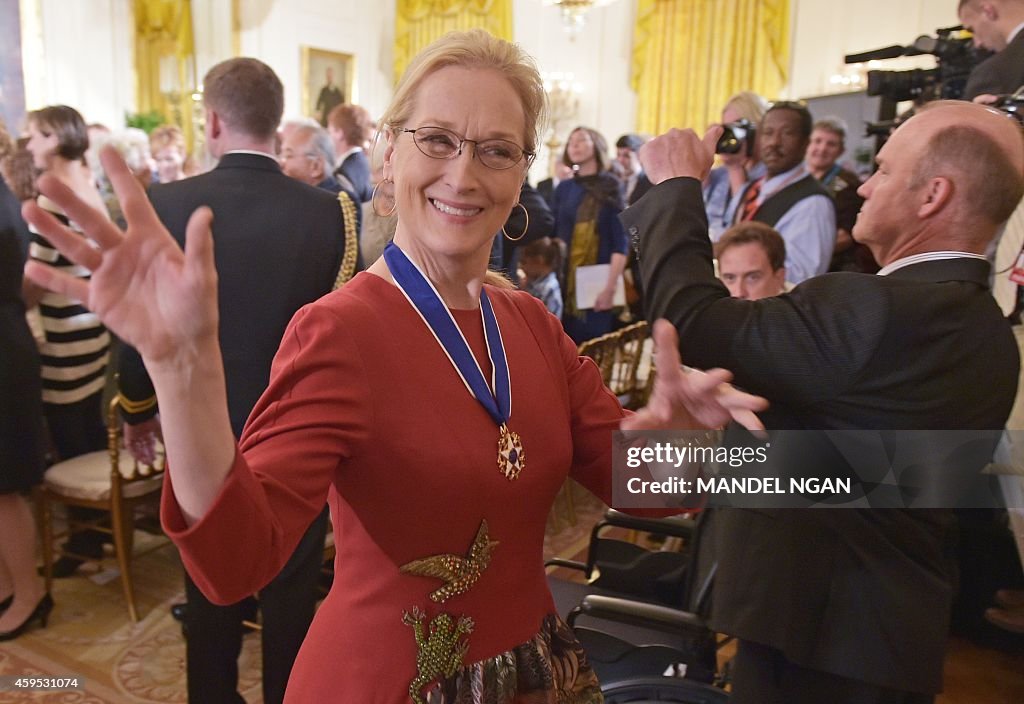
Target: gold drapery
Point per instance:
(420, 22)
(690, 56)
(165, 60)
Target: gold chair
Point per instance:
(110, 480)
(618, 355)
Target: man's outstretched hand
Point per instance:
(691, 399)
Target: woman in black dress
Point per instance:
(22, 596)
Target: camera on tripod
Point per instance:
(736, 137)
(955, 58)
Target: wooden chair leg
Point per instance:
(570, 503)
(122, 525)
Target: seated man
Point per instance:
(752, 261)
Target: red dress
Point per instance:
(365, 411)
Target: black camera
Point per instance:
(737, 136)
(955, 58)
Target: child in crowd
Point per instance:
(538, 262)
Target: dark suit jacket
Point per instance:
(546, 189)
(278, 244)
(1000, 73)
(356, 168)
(856, 592)
(11, 222)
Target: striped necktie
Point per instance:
(749, 205)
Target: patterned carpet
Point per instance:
(91, 636)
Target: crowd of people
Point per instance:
(291, 392)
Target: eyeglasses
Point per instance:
(439, 143)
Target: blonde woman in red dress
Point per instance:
(435, 408)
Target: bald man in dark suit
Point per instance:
(849, 605)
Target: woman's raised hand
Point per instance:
(691, 399)
(144, 288)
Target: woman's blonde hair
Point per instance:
(748, 105)
(474, 49)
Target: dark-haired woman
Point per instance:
(586, 210)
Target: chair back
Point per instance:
(618, 356)
(108, 480)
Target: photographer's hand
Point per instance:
(986, 99)
(679, 153)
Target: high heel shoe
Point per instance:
(41, 612)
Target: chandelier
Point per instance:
(574, 12)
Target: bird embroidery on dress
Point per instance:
(458, 572)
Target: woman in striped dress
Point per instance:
(76, 351)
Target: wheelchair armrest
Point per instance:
(561, 562)
(675, 526)
(636, 613)
(662, 689)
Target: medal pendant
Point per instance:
(511, 457)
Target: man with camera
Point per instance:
(849, 605)
(997, 25)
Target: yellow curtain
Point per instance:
(165, 60)
(690, 56)
(420, 22)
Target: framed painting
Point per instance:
(328, 80)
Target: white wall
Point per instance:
(825, 31)
(274, 31)
(83, 57)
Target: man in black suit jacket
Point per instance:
(849, 605)
(998, 25)
(278, 246)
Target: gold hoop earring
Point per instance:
(526, 213)
(374, 200)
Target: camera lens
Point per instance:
(733, 139)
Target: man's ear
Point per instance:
(214, 124)
(318, 170)
(937, 193)
(780, 277)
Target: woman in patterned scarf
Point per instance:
(586, 211)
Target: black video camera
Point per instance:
(736, 137)
(955, 58)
